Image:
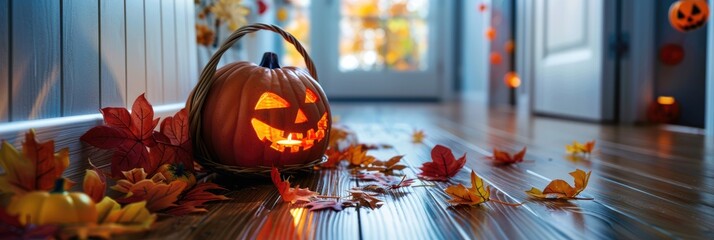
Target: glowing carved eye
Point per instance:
(271, 100)
(310, 96)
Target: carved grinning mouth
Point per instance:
(267, 133)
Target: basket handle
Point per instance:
(205, 81)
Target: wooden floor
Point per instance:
(647, 183)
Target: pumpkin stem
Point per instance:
(59, 186)
(270, 60)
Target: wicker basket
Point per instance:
(198, 97)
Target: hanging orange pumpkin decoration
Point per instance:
(512, 80)
(671, 54)
(248, 118)
(490, 33)
(664, 110)
(495, 58)
(688, 15)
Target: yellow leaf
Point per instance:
(578, 147)
(476, 194)
(113, 219)
(106, 206)
(358, 157)
(418, 136)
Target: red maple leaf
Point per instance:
(128, 134)
(173, 142)
(289, 194)
(502, 157)
(193, 201)
(443, 165)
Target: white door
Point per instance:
(572, 68)
(379, 48)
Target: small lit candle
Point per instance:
(289, 141)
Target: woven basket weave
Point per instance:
(199, 96)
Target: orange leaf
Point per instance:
(36, 168)
(559, 189)
(94, 185)
(357, 156)
(502, 157)
(193, 200)
(476, 194)
(158, 196)
(291, 195)
(132, 177)
(443, 165)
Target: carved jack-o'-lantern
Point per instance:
(264, 115)
(246, 118)
(687, 15)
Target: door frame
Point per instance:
(709, 119)
(636, 68)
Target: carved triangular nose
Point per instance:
(300, 118)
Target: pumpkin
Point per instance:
(664, 110)
(265, 115)
(55, 207)
(688, 15)
(177, 172)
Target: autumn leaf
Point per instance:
(578, 147)
(476, 194)
(443, 165)
(132, 177)
(35, 168)
(113, 219)
(158, 195)
(128, 134)
(173, 141)
(388, 166)
(385, 181)
(193, 201)
(95, 184)
(11, 228)
(366, 198)
(559, 189)
(334, 158)
(291, 195)
(358, 157)
(503, 157)
(418, 136)
(334, 204)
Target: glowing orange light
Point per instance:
(509, 46)
(300, 118)
(490, 33)
(512, 80)
(665, 100)
(271, 100)
(310, 96)
(481, 7)
(495, 58)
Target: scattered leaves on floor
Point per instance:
(559, 189)
(418, 136)
(579, 148)
(194, 200)
(288, 194)
(35, 168)
(443, 165)
(385, 182)
(505, 158)
(367, 199)
(358, 157)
